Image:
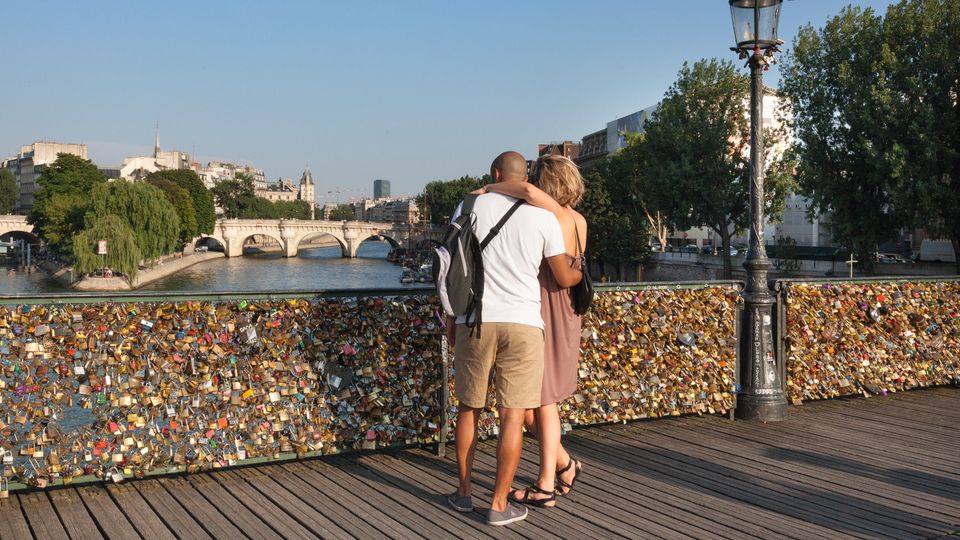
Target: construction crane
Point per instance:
(338, 191)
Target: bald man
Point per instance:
(511, 341)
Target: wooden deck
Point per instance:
(864, 468)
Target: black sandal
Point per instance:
(578, 466)
(542, 503)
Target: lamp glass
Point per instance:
(752, 29)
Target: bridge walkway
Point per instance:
(886, 467)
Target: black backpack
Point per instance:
(458, 264)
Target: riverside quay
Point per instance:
(328, 414)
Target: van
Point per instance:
(937, 251)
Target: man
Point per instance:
(511, 339)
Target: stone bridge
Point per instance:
(11, 225)
(290, 233)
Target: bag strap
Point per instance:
(576, 232)
(496, 228)
(466, 207)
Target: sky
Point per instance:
(409, 91)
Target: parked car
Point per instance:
(734, 251)
(690, 248)
(655, 246)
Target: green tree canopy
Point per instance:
(8, 191)
(122, 256)
(61, 201)
(917, 96)
(234, 196)
(202, 198)
(182, 202)
(833, 78)
(343, 212)
(694, 162)
(144, 208)
(614, 238)
(441, 197)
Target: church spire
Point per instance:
(156, 145)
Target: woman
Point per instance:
(560, 189)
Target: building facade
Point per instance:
(381, 189)
(138, 167)
(29, 162)
(286, 190)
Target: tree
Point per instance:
(918, 97)
(61, 201)
(833, 78)
(441, 197)
(205, 213)
(8, 191)
(144, 208)
(234, 196)
(694, 162)
(182, 202)
(616, 236)
(292, 209)
(343, 212)
(122, 255)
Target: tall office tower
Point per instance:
(381, 189)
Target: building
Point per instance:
(592, 146)
(218, 171)
(403, 210)
(138, 167)
(27, 165)
(566, 149)
(381, 189)
(285, 190)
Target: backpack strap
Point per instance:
(477, 307)
(496, 228)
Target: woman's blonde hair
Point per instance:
(560, 178)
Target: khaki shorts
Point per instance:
(513, 351)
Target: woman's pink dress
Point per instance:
(561, 334)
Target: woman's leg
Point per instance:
(548, 426)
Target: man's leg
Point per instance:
(509, 447)
(466, 445)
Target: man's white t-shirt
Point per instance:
(511, 261)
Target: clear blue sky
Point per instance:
(410, 91)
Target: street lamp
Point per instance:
(761, 395)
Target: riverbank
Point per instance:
(162, 269)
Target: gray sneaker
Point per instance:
(511, 514)
(460, 503)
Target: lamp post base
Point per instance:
(765, 408)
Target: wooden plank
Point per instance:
(854, 485)
(73, 514)
(40, 515)
(608, 522)
(147, 521)
(407, 501)
(677, 501)
(905, 433)
(247, 519)
(357, 526)
(636, 491)
(383, 521)
(12, 521)
(291, 506)
(806, 521)
(109, 517)
(151, 497)
(205, 514)
(810, 502)
(407, 465)
(620, 496)
(859, 454)
(828, 488)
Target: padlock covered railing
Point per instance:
(869, 336)
(128, 385)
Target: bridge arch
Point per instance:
(15, 234)
(300, 239)
(211, 241)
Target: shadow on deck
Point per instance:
(862, 468)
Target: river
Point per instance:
(311, 269)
